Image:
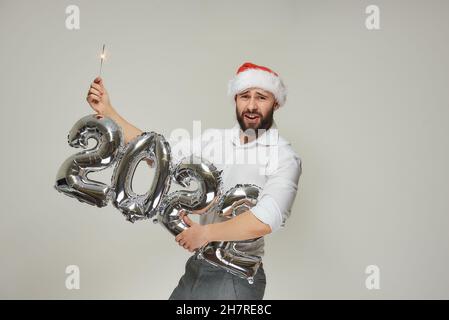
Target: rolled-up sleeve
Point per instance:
(279, 192)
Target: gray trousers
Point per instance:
(203, 281)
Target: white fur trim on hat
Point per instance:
(257, 78)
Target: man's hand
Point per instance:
(196, 236)
(98, 98)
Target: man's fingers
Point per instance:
(92, 97)
(97, 86)
(188, 221)
(184, 244)
(99, 80)
(95, 91)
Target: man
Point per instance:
(257, 92)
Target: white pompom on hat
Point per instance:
(250, 75)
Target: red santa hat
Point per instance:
(250, 75)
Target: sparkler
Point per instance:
(102, 58)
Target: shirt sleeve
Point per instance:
(279, 193)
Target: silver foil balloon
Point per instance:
(71, 178)
(148, 146)
(201, 200)
(230, 255)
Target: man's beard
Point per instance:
(264, 122)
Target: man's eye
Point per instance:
(244, 97)
(262, 98)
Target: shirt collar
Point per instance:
(269, 138)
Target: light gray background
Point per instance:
(367, 111)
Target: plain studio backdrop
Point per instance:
(367, 112)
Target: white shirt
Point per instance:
(268, 162)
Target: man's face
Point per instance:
(255, 108)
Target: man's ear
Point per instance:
(276, 106)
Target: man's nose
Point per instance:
(252, 104)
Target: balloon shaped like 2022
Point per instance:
(207, 198)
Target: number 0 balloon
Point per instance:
(148, 146)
